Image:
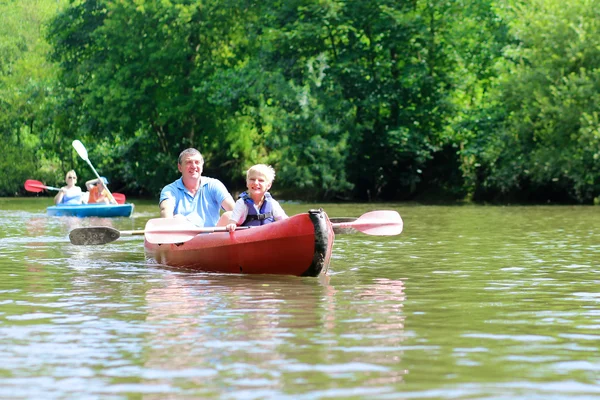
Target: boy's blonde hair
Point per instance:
(262, 169)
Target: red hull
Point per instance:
(300, 245)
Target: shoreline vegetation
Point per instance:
(473, 101)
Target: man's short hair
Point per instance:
(190, 152)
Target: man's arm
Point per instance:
(167, 206)
(228, 204)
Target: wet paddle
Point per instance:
(81, 150)
(342, 231)
(37, 187)
(376, 223)
(335, 220)
(174, 230)
(158, 230)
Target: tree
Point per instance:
(140, 74)
(547, 144)
(365, 78)
(27, 86)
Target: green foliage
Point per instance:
(143, 72)
(547, 144)
(27, 83)
(362, 100)
(364, 80)
(313, 87)
(478, 36)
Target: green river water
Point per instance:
(469, 302)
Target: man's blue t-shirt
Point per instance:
(202, 209)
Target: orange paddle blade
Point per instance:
(34, 186)
(37, 186)
(119, 197)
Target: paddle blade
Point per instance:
(119, 197)
(377, 223)
(93, 235)
(176, 230)
(37, 186)
(80, 149)
(34, 186)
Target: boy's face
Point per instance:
(257, 183)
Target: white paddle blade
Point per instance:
(381, 223)
(390, 229)
(172, 230)
(177, 230)
(376, 223)
(80, 149)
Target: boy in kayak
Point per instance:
(197, 198)
(69, 194)
(256, 206)
(96, 191)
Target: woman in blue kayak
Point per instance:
(69, 194)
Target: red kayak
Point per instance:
(300, 245)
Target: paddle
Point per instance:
(81, 150)
(376, 223)
(158, 230)
(119, 197)
(37, 187)
(335, 220)
(174, 230)
(342, 231)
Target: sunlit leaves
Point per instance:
(549, 85)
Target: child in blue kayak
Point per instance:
(256, 206)
(97, 192)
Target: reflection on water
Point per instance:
(469, 302)
(267, 331)
(244, 320)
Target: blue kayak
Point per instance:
(91, 210)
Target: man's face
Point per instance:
(191, 167)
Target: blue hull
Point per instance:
(91, 210)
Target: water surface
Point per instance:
(469, 302)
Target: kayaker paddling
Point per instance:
(256, 206)
(97, 190)
(197, 198)
(69, 194)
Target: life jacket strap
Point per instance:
(259, 217)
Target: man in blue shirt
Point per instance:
(197, 198)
